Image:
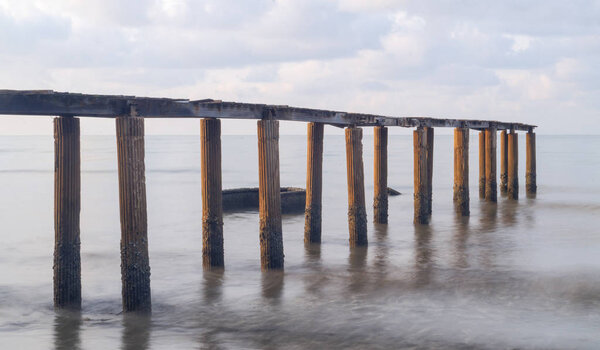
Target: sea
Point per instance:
(519, 274)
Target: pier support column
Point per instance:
(421, 176)
(513, 165)
(461, 170)
(314, 183)
(269, 193)
(530, 171)
(429, 138)
(380, 198)
(491, 186)
(503, 162)
(212, 195)
(482, 164)
(357, 215)
(67, 206)
(135, 264)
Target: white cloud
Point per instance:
(504, 60)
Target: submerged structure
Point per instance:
(129, 113)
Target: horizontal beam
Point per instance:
(45, 102)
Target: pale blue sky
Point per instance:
(530, 61)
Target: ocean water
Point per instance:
(517, 275)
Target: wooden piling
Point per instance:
(380, 197)
(461, 170)
(135, 264)
(482, 164)
(271, 236)
(212, 198)
(421, 177)
(429, 139)
(357, 215)
(513, 165)
(67, 206)
(491, 186)
(503, 162)
(314, 183)
(530, 171)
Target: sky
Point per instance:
(534, 62)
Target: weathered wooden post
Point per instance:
(503, 162)
(421, 176)
(461, 170)
(357, 215)
(380, 197)
(135, 264)
(314, 183)
(530, 175)
(67, 206)
(482, 164)
(513, 165)
(212, 197)
(491, 186)
(429, 137)
(269, 194)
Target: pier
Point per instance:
(130, 112)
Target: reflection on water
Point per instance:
(272, 285)
(67, 326)
(423, 255)
(136, 331)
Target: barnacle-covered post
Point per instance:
(67, 206)
(357, 215)
(269, 193)
(212, 193)
(461, 170)
(314, 183)
(380, 195)
(135, 264)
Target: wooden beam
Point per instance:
(67, 206)
(491, 186)
(269, 194)
(108, 106)
(357, 215)
(314, 183)
(530, 171)
(212, 193)
(421, 177)
(461, 171)
(135, 263)
(380, 193)
(513, 166)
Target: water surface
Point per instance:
(519, 274)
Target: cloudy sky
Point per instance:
(514, 60)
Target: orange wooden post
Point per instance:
(314, 183)
(271, 235)
(503, 161)
(491, 186)
(380, 197)
(421, 177)
(482, 164)
(461, 170)
(67, 206)
(357, 214)
(513, 165)
(530, 174)
(212, 193)
(135, 263)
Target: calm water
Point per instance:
(520, 274)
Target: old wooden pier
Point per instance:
(129, 113)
